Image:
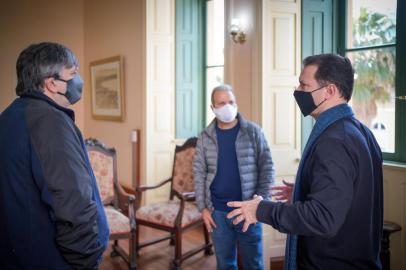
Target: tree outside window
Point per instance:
(371, 47)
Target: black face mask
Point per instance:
(306, 102)
(74, 88)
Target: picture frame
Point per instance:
(107, 90)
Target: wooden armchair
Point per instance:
(175, 215)
(118, 205)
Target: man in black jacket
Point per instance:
(335, 218)
(51, 215)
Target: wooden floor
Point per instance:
(159, 256)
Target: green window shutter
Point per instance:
(317, 38)
(189, 67)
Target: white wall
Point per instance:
(117, 28)
(23, 22)
(394, 180)
(242, 61)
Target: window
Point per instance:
(214, 50)
(371, 47)
(372, 39)
(199, 62)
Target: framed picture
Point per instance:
(107, 95)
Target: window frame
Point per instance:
(207, 66)
(400, 76)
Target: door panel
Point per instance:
(280, 115)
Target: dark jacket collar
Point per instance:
(38, 95)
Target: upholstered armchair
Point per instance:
(118, 205)
(177, 215)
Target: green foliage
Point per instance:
(375, 68)
(373, 28)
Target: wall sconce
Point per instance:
(236, 33)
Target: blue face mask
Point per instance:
(74, 88)
(306, 102)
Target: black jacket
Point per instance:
(339, 223)
(51, 216)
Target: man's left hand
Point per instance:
(246, 210)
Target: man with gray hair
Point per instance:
(232, 161)
(51, 214)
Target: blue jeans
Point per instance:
(226, 236)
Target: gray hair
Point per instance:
(40, 61)
(222, 87)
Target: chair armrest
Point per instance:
(125, 200)
(139, 190)
(185, 196)
(145, 188)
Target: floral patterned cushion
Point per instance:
(165, 213)
(118, 222)
(103, 171)
(183, 180)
